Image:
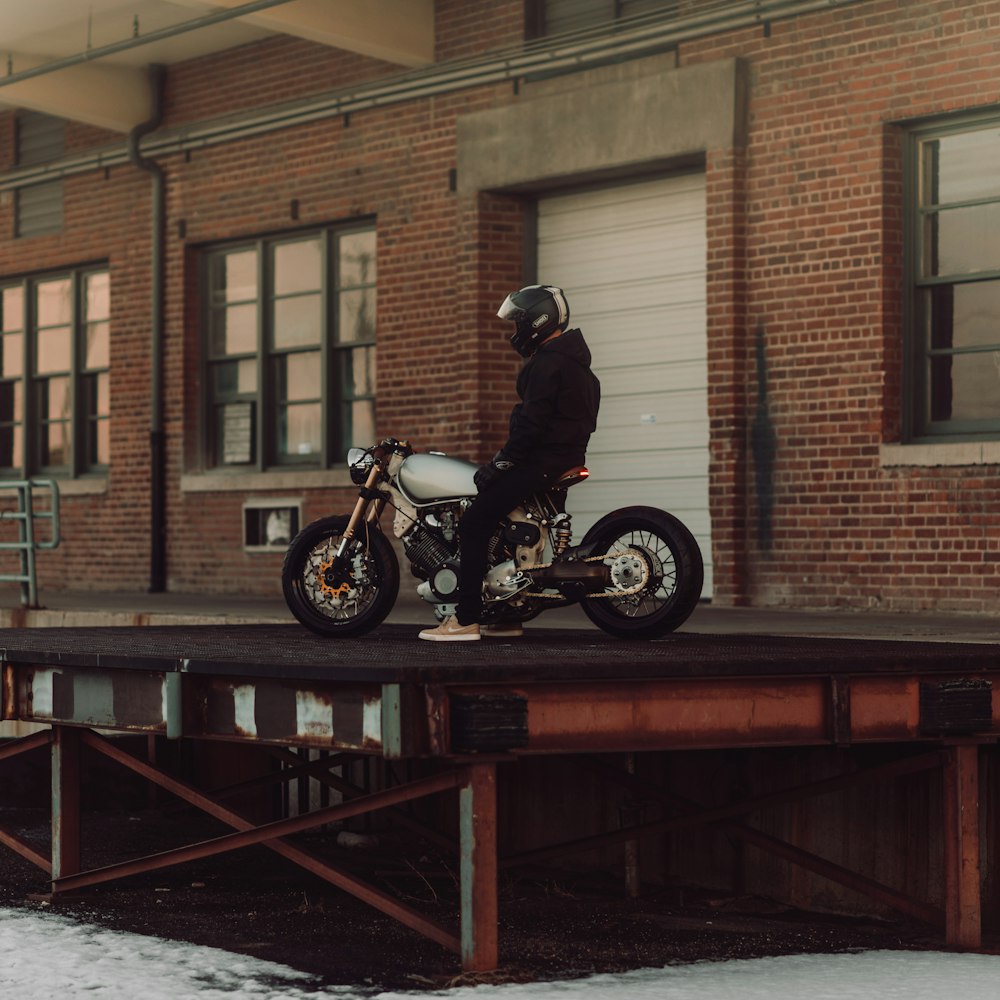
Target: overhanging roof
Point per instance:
(86, 62)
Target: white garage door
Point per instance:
(632, 261)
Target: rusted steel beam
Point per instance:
(266, 831)
(699, 816)
(26, 743)
(9, 692)
(27, 852)
(13, 749)
(835, 873)
(305, 859)
(320, 771)
(65, 803)
(438, 720)
(666, 713)
(677, 712)
(478, 839)
(299, 769)
(276, 710)
(963, 904)
(127, 700)
(840, 710)
(913, 764)
(286, 712)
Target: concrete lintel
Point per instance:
(111, 97)
(602, 128)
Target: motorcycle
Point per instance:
(637, 573)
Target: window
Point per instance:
(546, 18)
(290, 350)
(270, 524)
(54, 374)
(953, 282)
(39, 208)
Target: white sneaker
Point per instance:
(450, 631)
(502, 630)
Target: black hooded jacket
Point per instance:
(560, 397)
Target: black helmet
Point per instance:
(537, 312)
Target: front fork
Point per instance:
(364, 510)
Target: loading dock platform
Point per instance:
(472, 706)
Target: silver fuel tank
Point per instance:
(424, 477)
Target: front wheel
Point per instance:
(673, 574)
(351, 603)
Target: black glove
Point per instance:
(486, 475)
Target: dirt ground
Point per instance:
(553, 924)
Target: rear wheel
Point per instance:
(671, 568)
(348, 603)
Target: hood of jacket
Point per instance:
(571, 345)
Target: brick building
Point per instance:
(776, 222)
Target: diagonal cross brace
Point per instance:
(268, 835)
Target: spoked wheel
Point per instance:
(344, 602)
(655, 564)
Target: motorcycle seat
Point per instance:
(571, 477)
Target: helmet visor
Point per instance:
(509, 311)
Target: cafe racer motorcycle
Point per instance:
(637, 572)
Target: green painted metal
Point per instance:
(478, 868)
(27, 544)
(392, 721)
(173, 706)
(65, 802)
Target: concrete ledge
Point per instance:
(943, 454)
(260, 482)
(52, 618)
(82, 487)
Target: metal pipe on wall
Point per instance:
(157, 443)
(564, 54)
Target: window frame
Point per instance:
(29, 421)
(537, 22)
(918, 424)
(265, 399)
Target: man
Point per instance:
(549, 430)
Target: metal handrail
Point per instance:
(27, 543)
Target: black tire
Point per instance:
(374, 581)
(675, 563)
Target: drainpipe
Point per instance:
(157, 450)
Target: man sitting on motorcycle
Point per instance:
(548, 435)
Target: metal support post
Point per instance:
(65, 802)
(631, 816)
(478, 846)
(962, 888)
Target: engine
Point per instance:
(431, 545)
(430, 541)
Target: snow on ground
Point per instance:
(44, 955)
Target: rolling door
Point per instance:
(632, 261)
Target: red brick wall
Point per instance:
(804, 238)
(823, 283)
(105, 536)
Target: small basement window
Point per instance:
(270, 525)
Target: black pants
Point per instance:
(477, 525)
